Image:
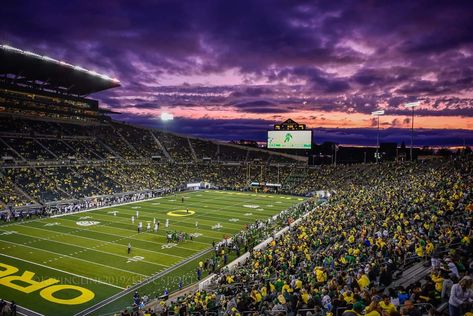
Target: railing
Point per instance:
(206, 313)
(266, 313)
(424, 308)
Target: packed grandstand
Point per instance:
(382, 239)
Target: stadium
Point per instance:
(100, 216)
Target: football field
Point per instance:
(62, 265)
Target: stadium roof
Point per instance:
(33, 69)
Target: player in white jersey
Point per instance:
(132, 219)
(167, 223)
(148, 227)
(137, 214)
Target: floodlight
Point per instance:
(167, 116)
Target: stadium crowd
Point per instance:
(342, 258)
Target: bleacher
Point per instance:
(204, 149)
(372, 243)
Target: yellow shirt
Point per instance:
(256, 296)
(438, 282)
(373, 313)
(363, 282)
(429, 248)
(387, 307)
(348, 298)
(320, 275)
(305, 297)
(286, 288)
(420, 251)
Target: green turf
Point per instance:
(95, 257)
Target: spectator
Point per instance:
(460, 295)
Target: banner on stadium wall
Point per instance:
(265, 184)
(198, 185)
(323, 194)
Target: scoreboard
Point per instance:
(290, 139)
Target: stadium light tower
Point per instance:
(166, 117)
(412, 105)
(377, 114)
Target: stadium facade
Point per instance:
(59, 149)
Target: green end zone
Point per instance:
(63, 265)
(48, 291)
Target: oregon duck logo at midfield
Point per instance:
(180, 213)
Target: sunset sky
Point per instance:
(231, 69)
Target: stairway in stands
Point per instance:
(297, 176)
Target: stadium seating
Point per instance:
(143, 141)
(9, 195)
(204, 149)
(382, 221)
(35, 184)
(343, 256)
(177, 147)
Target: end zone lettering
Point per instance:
(48, 287)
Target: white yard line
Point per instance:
(90, 249)
(149, 241)
(68, 256)
(59, 270)
(128, 230)
(111, 242)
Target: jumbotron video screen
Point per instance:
(290, 139)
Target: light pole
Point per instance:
(165, 117)
(377, 114)
(412, 105)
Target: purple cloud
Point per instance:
(262, 57)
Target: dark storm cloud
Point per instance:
(251, 92)
(259, 106)
(326, 56)
(208, 128)
(367, 137)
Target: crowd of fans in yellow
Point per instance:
(342, 258)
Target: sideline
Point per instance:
(131, 289)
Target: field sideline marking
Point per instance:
(69, 256)
(151, 279)
(59, 270)
(90, 249)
